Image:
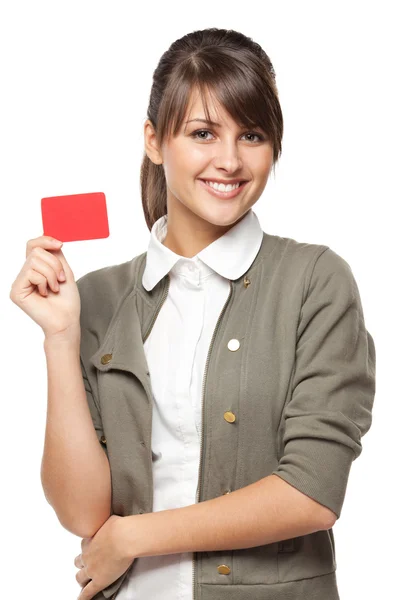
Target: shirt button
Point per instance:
(229, 416)
(233, 345)
(156, 455)
(105, 359)
(223, 569)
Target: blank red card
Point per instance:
(75, 217)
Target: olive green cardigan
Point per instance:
(301, 387)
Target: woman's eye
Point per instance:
(200, 131)
(196, 133)
(260, 137)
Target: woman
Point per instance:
(228, 372)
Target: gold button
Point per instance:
(246, 282)
(103, 440)
(233, 345)
(227, 492)
(229, 416)
(106, 358)
(223, 569)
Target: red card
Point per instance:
(75, 217)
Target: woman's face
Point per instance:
(202, 151)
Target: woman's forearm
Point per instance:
(262, 512)
(75, 472)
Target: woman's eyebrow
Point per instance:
(213, 123)
(205, 121)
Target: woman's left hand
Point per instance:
(103, 558)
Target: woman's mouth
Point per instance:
(225, 195)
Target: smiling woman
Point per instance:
(239, 358)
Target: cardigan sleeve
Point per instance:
(94, 409)
(333, 385)
(86, 350)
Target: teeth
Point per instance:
(220, 187)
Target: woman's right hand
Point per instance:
(57, 311)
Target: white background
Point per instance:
(75, 83)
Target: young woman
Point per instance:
(226, 372)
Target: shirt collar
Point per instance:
(231, 255)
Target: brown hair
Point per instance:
(226, 63)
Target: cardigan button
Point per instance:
(229, 416)
(246, 282)
(223, 569)
(227, 492)
(105, 359)
(103, 440)
(233, 345)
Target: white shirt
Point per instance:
(176, 352)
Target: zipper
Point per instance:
(164, 296)
(202, 419)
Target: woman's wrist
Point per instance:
(70, 336)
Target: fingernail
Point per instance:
(62, 275)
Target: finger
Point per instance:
(42, 266)
(54, 262)
(78, 561)
(58, 254)
(36, 278)
(89, 591)
(44, 241)
(27, 279)
(82, 577)
(50, 249)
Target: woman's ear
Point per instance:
(150, 143)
